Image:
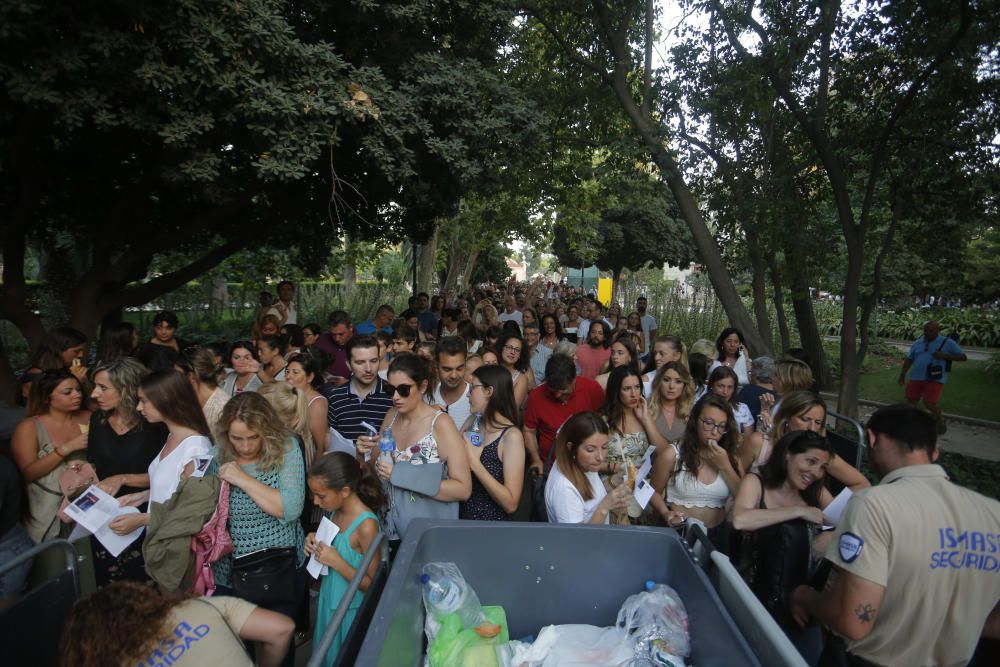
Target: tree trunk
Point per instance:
(455, 260)
(758, 283)
(470, 265)
(805, 320)
(719, 276)
(350, 272)
(425, 270)
(779, 301)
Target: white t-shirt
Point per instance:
(459, 410)
(292, 316)
(516, 316)
(743, 416)
(648, 323)
(565, 504)
(165, 474)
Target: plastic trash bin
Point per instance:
(545, 574)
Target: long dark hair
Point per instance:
(625, 340)
(48, 354)
(522, 360)
(571, 434)
(775, 471)
(559, 331)
(311, 364)
(174, 398)
(340, 469)
(690, 455)
(614, 409)
(414, 367)
(116, 340)
(40, 398)
(720, 342)
(501, 403)
(722, 373)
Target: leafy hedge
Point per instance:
(975, 327)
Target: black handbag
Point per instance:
(935, 371)
(266, 577)
(538, 511)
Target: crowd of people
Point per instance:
(504, 402)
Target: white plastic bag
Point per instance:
(577, 646)
(657, 623)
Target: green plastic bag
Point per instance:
(455, 646)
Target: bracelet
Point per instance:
(58, 453)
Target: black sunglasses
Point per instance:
(402, 389)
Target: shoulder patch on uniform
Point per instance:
(850, 547)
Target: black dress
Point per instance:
(480, 505)
(783, 560)
(127, 454)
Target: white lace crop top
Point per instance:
(685, 489)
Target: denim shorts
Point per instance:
(14, 543)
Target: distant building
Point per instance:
(518, 269)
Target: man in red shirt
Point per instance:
(594, 354)
(561, 396)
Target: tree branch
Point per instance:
(533, 10)
(135, 296)
(647, 76)
(904, 104)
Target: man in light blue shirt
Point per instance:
(381, 321)
(539, 353)
(929, 361)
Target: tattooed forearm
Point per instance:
(865, 613)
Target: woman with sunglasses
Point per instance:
(781, 506)
(421, 437)
(704, 471)
(496, 452)
(513, 357)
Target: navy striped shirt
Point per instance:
(346, 411)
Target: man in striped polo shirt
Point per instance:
(364, 398)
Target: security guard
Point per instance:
(917, 558)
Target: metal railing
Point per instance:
(319, 653)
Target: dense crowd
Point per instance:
(504, 402)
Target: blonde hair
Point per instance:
(292, 409)
(254, 410)
(706, 347)
(686, 400)
(793, 374)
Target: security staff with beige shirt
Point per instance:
(917, 558)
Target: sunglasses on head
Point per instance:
(402, 389)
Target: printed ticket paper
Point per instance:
(93, 512)
(325, 533)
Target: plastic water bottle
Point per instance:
(386, 446)
(446, 592)
(475, 434)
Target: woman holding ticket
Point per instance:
(632, 432)
(166, 397)
(351, 493)
(782, 505)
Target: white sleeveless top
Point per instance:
(686, 489)
(165, 474)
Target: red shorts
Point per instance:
(929, 389)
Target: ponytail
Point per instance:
(340, 469)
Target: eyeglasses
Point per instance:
(712, 426)
(476, 386)
(402, 389)
(511, 348)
